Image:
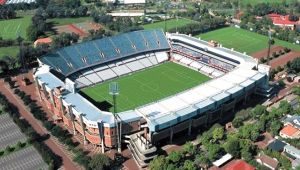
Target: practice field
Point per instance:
(243, 40)
(13, 27)
(171, 23)
(147, 86)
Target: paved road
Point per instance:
(67, 162)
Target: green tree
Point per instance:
(275, 126)
(237, 122)
(158, 163)
(258, 110)
(214, 151)
(232, 146)
(202, 161)
(189, 148)
(218, 134)
(285, 107)
(189, 165)
(175, 156)
(32, 33)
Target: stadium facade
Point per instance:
(61, 73)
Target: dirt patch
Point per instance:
(264, 53)
(282, 60)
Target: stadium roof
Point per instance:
(73, 58)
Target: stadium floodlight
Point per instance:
(114, 91)
(270, 42)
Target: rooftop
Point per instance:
(264, 159)
(289, 130)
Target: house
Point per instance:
(292, 152)
(43, 41)
(283, 21)
(238, 165)
(277, 145)
(293, 121)
(267, 161)
(289, 131)
(296, 163)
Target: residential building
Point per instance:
(267, 161)
(290, 132)
(292, 152)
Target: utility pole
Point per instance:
(114, 91)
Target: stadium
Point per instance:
(168, 83)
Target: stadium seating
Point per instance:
(19, 1)
(97, 52)
(101, 73)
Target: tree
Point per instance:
(237, 122)
(232, 146)
(158, 163)
(175, 156)
(202, 161)
(99, 162)
(189, 165)
(258, 110)
(32, 33)
(218, 134)
(275, 126)
(214, 151)
(285, 107)
(189, 148)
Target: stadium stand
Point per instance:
(71, 59)
(19, 1)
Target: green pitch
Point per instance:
(148, 86)
(171, 23)
(243, 40)
(13, 27)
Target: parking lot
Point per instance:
(27, 158)
(10, 132)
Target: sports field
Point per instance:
(148, 85)
(13, 27)
(172, 23)
(243, 40)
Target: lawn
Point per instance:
(147, 86)
(243, 40)
(66, 21)
(254, 2)
(13, 27)
(9, 51)
(172, 23)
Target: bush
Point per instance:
(9, 149)
(21, 144)
(11, 84)
(22, 94)
(48, 125)
(1, 153)
(7, 79)
(286, 50)
(27, 100)
(17, 91)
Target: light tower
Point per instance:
(270, 42)
(114, 91)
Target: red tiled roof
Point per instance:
(281, 19)
(268, 160)
(2, 2)
(289, 130)
(43, 41)
(238, 165)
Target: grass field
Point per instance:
(243, 40)
(254, 2)
(148, 85)
(14, 27)
(172, 23)
(9, 51)
(66, 21)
